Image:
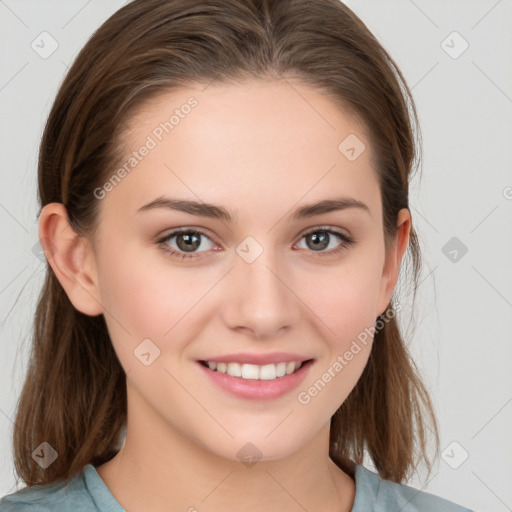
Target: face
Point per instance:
(267, 278)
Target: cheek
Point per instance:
(346, 303)
(139, 304)
(133, 296)
(146, 298)
(345, 297)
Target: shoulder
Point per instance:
(378, 495)
(56, 497)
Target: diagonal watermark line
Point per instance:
(279, 423)
(286, 491)
(424, 75)
(419, 490)
(308, 103)
(76, 14)
(13, 279)
(3, 3)
(198, 402)
(484, 218)
(422, 281)
(304, 195)
(492, 81)
(198, 301)
(223, 223)
(300, 299)
(37, 270)
(13, 489)
(499, 1)
(104, 308)
(424, 14)
(428, 275)
(208, 85)
(7, 416)
(14, 218)
(216, 487)
(12, 78)
(492, 418)
(504, 298)
(425, 219)
(508, 508)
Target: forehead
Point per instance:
(258, 143)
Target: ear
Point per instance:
(71, 258)
(393, 259)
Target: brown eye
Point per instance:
(187, 241)
(319, 240)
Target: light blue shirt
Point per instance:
(86, 492)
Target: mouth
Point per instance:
(248, 371)
(256, 382)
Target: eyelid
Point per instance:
(186, 229)
(327, 228)
(207, 233)
(345, 240)
(176, 231)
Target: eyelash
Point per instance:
(345, 240)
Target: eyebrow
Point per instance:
(218, 212)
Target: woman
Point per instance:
(224, 210)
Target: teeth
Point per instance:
(254, 371)
(234, 369)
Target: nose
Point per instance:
(262, 300)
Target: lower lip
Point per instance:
(256, 389)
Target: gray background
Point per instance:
(464, 307)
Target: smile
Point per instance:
(254, 371)
(256, 382)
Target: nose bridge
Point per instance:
(263, 301)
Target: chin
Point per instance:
(249, 450)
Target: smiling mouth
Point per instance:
(254, 371)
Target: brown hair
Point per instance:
(74, 395)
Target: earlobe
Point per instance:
(70, 258)
(394, 258)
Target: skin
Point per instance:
(259, 149)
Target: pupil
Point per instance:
(192, 241)
(189, 243)
(322, 238)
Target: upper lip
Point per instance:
(258, 359)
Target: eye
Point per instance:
(321, 238)
(187, 241)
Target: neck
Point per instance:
(158, 468)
